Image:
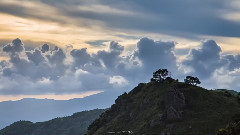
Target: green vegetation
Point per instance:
(192, 80)
(231, 129)
(145, 110)
(160, 75)
(72, 125)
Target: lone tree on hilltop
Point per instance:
(192, 80)
(160, 75)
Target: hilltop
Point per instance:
(169, 107)
(71, 125)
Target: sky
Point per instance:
(63, 49)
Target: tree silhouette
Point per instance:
(192, 80)
(160, 75)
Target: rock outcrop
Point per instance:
(174, 103)
(173, 114)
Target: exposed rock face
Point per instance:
(175, 98)
(173, 114)
(174, 103)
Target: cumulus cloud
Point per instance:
(36, 57)
(206, 60)
(15, 47)
(45, 48)
(156, 54)
(112, 57)
(216, 70)
(118, 80)
(57, 56)
(106, 61)
(45, 70)
(224, 79)
(80, 57)
(233, 61)
(4, 64)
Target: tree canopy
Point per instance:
(160, 75)
(192, 80)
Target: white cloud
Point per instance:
(118, 80)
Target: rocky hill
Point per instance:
(168, 108)
(72, 125)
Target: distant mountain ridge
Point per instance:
(75, 124)
(38, 110)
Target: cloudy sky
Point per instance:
(65, 49)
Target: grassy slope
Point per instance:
(143, 111)
(72, 125)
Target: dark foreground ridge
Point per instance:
(72, 125)
(168, 107)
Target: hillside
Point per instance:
(169, 107)
(230, 129)
(72, 125)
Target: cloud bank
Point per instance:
(53, 70)
(179, 18)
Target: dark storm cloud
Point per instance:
(180, 18)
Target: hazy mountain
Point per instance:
(37, 110)
(75, 124)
